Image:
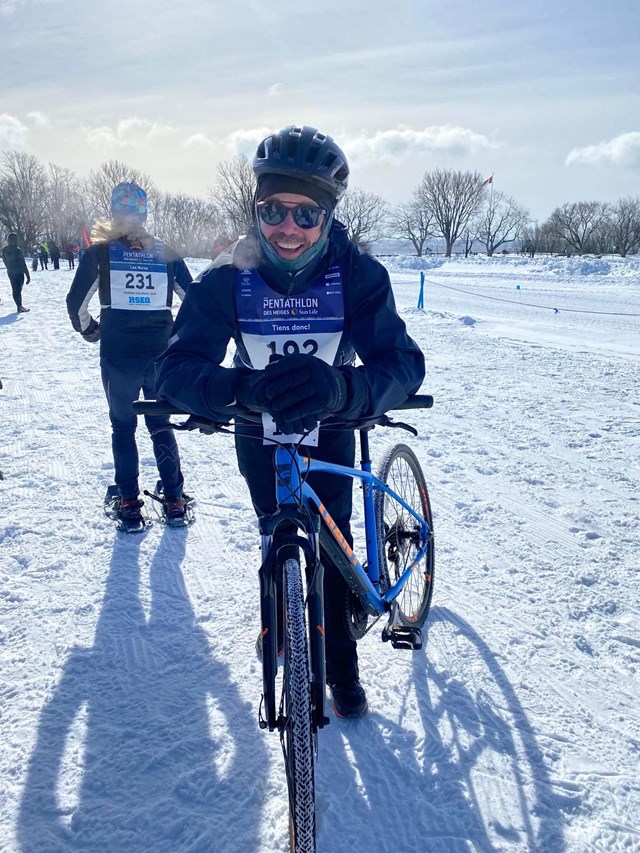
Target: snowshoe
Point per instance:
(127, 516)
(173, 513)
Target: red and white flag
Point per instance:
(488, 181)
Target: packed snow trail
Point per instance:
(129, 685)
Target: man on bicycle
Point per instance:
(300, 302)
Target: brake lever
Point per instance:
(204, 425)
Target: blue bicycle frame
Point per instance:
(292, 489)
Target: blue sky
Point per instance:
(546, 96)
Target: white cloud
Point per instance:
(12, 131)
(128, 133)
(623, 150)
(275, 90)
(38, 119)
(199, 140)
(398, 144)
(246, 141)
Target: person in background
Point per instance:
(35, 252)
(54, 251)
(297, 260)
(136, 276)
(17, 269)
(44, 256)
(68, 253)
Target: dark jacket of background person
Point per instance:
(54, 251)
(13, 259)
(123, 334)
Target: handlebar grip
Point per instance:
(418, 401)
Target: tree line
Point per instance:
(457, 209)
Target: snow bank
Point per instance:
(540, 267)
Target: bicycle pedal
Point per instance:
(402, 637)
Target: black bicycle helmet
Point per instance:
(305, 153)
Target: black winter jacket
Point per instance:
(190, 374)
(14, 261)
(123, 334)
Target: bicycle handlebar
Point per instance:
(160, 407)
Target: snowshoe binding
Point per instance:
(127, 515)
(174, 512)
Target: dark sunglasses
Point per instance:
(304, 215)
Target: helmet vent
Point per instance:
(312, 153)
(329, 160)
(293, 147)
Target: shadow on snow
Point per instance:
(476, 780)
(149, 776)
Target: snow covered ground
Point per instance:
(129, 686)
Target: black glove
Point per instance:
(92, 332)
(302, 390)
(248, 390)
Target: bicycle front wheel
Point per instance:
(298, 735)
(399, 534)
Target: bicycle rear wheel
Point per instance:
(399, 535)
(298, 736)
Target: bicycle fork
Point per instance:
(271, 612)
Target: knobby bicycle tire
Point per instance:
(298, 737)
(399, 533)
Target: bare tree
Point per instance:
(540, 238)
(364, 215)
(411, 222)
(102, 180)
(624, 221)
(530, 239)
(471, 233)
(191, 225)
(501, 222)
(452, 198)
(578, 223)
(66, 213)
(233, 194)
(23, 196)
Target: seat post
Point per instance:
(365, 460)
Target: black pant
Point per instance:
(122, 386)
(255, 461)
(17, 283)
(56, 263)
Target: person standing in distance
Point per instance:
(17, 269)
(136, 276)
(297, 365)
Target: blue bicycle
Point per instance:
(396, 580)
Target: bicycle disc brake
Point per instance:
(356, 616)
